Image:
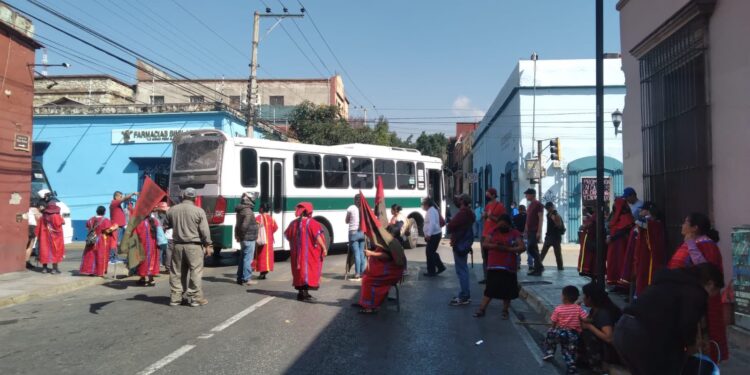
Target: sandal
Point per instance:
(368, 311)
(479, 313)
(506, 315)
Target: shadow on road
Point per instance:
(95, 307)
(159, 300)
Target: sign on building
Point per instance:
(150, 135)
(588, 190)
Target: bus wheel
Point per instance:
(411, 234)
(327, 236)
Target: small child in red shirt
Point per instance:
(566, 329)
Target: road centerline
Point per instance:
(241, 315)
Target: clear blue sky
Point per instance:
(415, 58)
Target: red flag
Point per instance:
(150, 195)
(376, 234)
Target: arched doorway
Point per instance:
(584, 168)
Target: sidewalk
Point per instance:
(24, 286)
(543, 294)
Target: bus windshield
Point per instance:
(200, 155)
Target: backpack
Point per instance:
(91, 236)
(561, 229)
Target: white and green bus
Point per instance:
(221, 168)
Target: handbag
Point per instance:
(262, 239)
(161, 237)
(91, 236)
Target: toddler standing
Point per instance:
(566, 329)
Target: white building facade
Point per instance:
(544, 100)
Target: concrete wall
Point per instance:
(88, 90)
(729, 90)
(15, 162)
(85, 167)
(324, 91)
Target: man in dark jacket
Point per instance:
(654, 332)
(246, 232)
(462, 238)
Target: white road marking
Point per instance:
(241, 315)
(186, 348)
(166, 360)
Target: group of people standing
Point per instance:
(46, 233)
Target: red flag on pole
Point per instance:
(149, 196)
(376, 233)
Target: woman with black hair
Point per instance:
(598, 329)
(396, 224)
(700, 247)
(504, 245)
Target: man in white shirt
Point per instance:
(632, 198)
(356, 239)
(432, 235)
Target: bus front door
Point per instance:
(272, 194)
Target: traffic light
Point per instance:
(554, 149)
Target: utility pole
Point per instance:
(541, 167)
(365, 121)
(252, 86)
(600, 143)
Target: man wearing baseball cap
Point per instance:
(632, 198)
(490, 217)
(192, 240)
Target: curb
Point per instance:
(54, 291)
(534, 301)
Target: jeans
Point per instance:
(462, 271)
(529, 260)
(477, 229)
(357, 246)
(533, 251)
(485, 257)
(434, 264)
(244, 267)
(554, 242)
(113, 252)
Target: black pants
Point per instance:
(434, 264)
(554, 242)
(485, 256)
(532, 249)
(645, 352)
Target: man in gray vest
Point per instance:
(192, 240)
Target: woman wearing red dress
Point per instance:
(263, 261)
(95, 257)
(650, 248)
(308, 248)
(49, 231)
(149, 266)
(620, 225)
(699, 247)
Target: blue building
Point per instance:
(89, 152)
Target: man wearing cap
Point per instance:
(192, 240)
(533, 231)
(632, 198)
(490, 217)
(246, 232)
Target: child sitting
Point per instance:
(566, 328)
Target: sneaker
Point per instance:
(459, 301)
(484, 281)
(199, 302)
(356, 278)
(175, 303)
(55, 271)
(29, 266)
(46, 270)
(548, 357)
(250, 283)
(441, 270)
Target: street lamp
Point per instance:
(64, 65)
(616, 121)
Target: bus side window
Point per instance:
(336, 171)
(405, 175)
(362, 173)
(264, 183)
(386, 169)
(278, 186)
(248, 167)
(420, 176)
(307, 171)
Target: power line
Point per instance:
(243, 54)
(343, 70)
(117, 45)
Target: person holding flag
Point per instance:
(308, 248)
(386, 260)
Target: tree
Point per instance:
(324, 125)
(432, 144)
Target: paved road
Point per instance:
(124, 329)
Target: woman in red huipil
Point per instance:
(308, 248)
(49, 231)
(620, 225)
(699, 247)
(587, 240)
(263, 261)
(650, 248)
(95, 257)
(149, 266)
